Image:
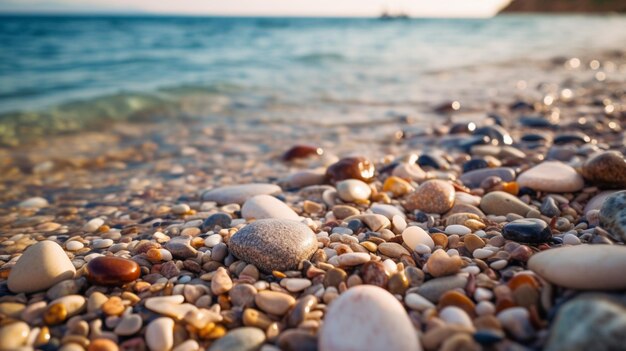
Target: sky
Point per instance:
(359, 8)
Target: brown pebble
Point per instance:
(440, 264)
(109, 270)
(334, 277)
(473, 242)
(455, 298)
(440, 239)
(351, 168)
(113, 306)
(374, 273)
(301, 151)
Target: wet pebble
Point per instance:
(527, 230)
(110, 270)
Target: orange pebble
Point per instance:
(510, 187)
(440, 239)
(397, 186)
(102, 345)
(455, 298)
(521, 279)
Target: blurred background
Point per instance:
(67, 65)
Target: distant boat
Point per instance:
(396, 16)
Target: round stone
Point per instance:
(433, 196)
(582, 267)
(102, 344)
(41, 266)
(527, 230)
(220, 219)
(110, 270)
(457, 229)
(274, 244)
(606, 169)
(351, 190)
(613, 214)
(456, 316)
(500, 203)
(34, 202)
(240, 339)
(413, 236)
(552, 176)
(266, 206)
(160, 334)
(238, 194)
(383, 322)
(351, 168)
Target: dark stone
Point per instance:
(488, 337)
(474, 164)
(356, 225)
(571, 138)
(467, 144)
(421, 217)
(527, 230)
(297, 340)
(495, 133)
(534, 137)
(433, 161)
(220, 219)
(300, 310)
(302, 151)
(110, 270)
(536, 122)
(549, 207)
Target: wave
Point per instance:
(319, 58)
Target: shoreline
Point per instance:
(482, 226)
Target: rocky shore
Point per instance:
(499, 226)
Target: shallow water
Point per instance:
(266, 63)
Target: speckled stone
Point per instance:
(433, 196)
(238, 194)
(383, 324)
(606, 169)
(552, 176)
(274, 244)
(582, 267)
(180, 247)
(527, 230)
(589, 322)
(41, 266)
(613, 214)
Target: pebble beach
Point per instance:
(497, 223)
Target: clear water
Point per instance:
(47, 61)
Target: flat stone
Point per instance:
(582, 267)
(160, 334)
(353, 259)
(613, 215)
(274, 244)
(553, 177)
(41, 266)
(220, 219)
(409, 171)
(180, 247)
(588, 322)
(500, 203)
(129, 325)
(383, 322)
(266, 206)
(473, 179)
(375, 222)
(238, 194)
(434, 288)
(606, 169)
(351, 190)
(527, 230)
(274, 302)
(34, 202)
(240, 339)
(387, 210)
(393, 250)
(306, 178)
(432, 196)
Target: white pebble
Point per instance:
(74, 245)
(418, 302)
(353, 190)
(165, 255)
(296, 284)
(390, 266)
(213, 240)
(160, 334)
(456, 316)
(180, 209)
(399, 223)
(484, 308)
(101, 243)
(499, 264)
(93, 225)
(33, 202)
(482, 294)
(571, 239)
(414, 236)
(471, 270)
(457, 229)
(482, 253)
